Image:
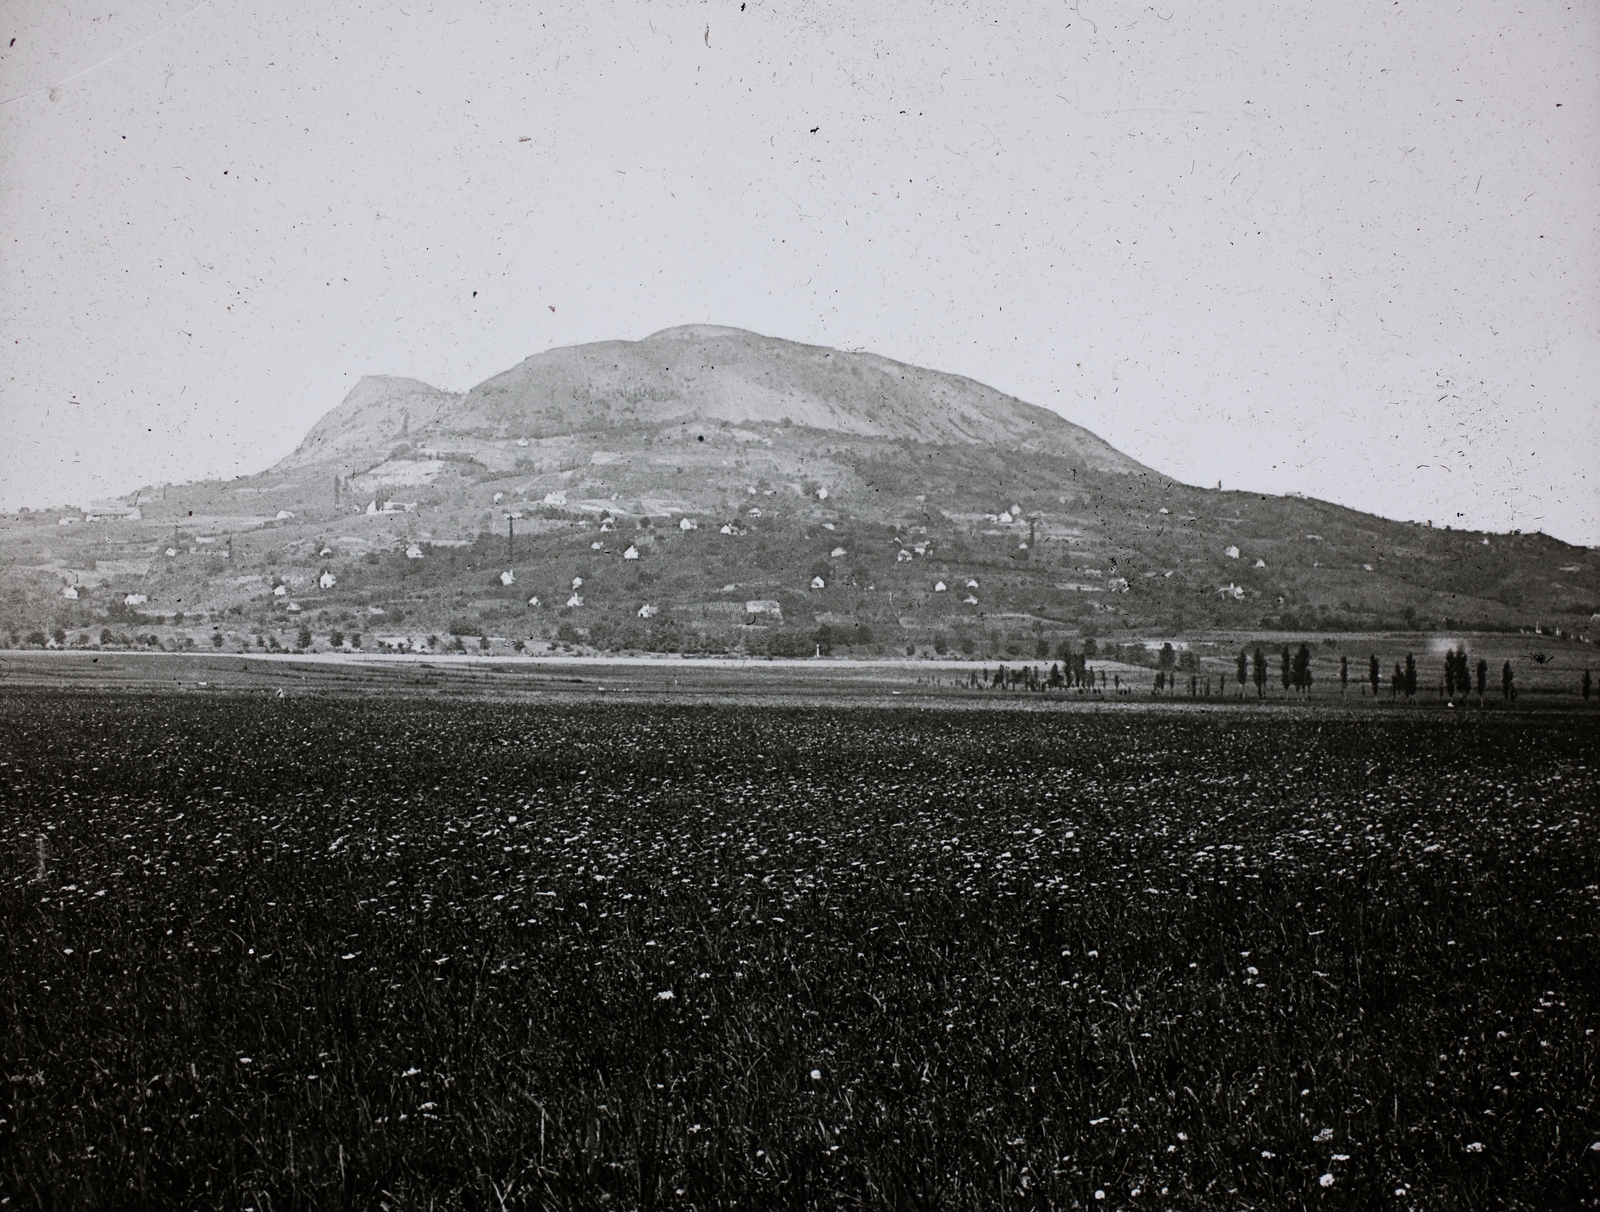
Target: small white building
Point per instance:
(280, 591)
(577, 582)
(1260, 563)
(688, 524)
(902, 556)
(575, 600)
(971, 584)
(414, 552)
(534, 600)
(508, 578)
(284, 515)
(818, 583)
(939, 587)
(597, 545)
(838, 553)
(1232, 592)
(1231, 552)
(647, 611)
(70, 592)
(969, 600)
(822, 494)
(327, 580)
(631, 554)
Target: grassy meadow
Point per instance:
(307, 952)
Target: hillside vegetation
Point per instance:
(715, 490)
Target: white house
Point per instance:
(171, 551)
(902, 556)
(631, 554)
(280, 591)
(372, 509)
(938, 587)
(327, 580)
(284, 515)
(135, 599)
(969, 600)
(597, 545)
(648, 611)
(1231, 552)
(534, 600)
(822, 494)
(1261, 564)
(70, 592)
(755, 513)
(1232, 592)
(554, 498)
(972, 584)
(575, 600)
(818, 583)
(577, 582)
(838, 553)
(688, 524)
(508, 578)
(414, 552)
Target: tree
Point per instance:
(1239, 671)
(1508, 683)
(1586, 686)
(1301, 673)
(336, 639)
(1449, 674)
(1165, 660)
(1411, 675)
(1284, 674)
(1344, 674)
(1373, 674)
(1259, 670)
(1483, 678)
(302, 637)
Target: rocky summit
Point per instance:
(709, 489)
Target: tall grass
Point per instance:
(459, 955)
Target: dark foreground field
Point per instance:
(297, 953)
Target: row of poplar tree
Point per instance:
(1294, 671)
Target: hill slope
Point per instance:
(867, 504)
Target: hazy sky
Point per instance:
(1350, 250)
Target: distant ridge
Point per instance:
(708, 372)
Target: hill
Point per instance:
(717, 490)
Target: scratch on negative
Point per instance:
(112, 59)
